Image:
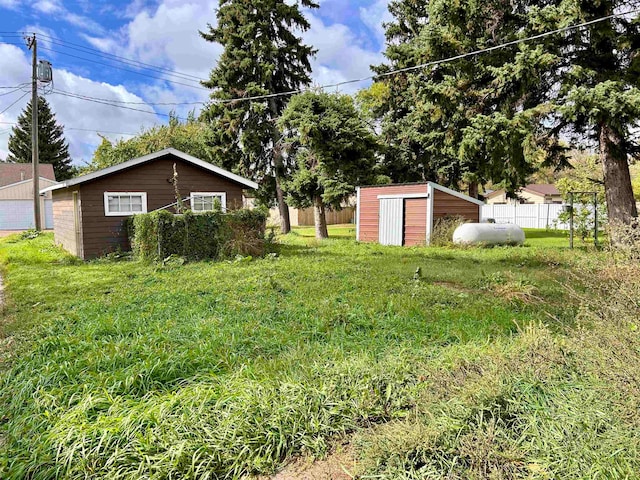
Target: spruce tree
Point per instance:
(469, 121)
(53, 147)
(598, 99)
(262, 55)
(332, 150)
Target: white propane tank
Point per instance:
(488, 234)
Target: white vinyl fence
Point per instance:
(541, 215)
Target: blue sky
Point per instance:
(348, 35)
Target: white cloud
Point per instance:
(166, 34)
(375, 16)
(48, 6)
(73, 112)
(170, 35)
(341, 55)
(83, 22)
(10, 4)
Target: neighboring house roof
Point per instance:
(11, 173)
(149, 158)
(535, 188)
(542, 188)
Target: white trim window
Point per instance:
(206, 201)
(120, 204)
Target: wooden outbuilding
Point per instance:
(405, 214)
(90, 212)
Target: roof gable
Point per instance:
(150, 158)
(11, 173)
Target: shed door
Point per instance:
(391, 221)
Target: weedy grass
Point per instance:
(127, 370)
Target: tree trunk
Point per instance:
(621, 205)
(283, 208)
(278, 166)
(473, 189)
(320, 218)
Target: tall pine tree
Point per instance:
(262, 55)
(598, 99)
(469, 121)
(53, 147)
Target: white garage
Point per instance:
(18, 214)
(16, 196)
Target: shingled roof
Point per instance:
(542, 188)
(11, 173)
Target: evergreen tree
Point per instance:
(262, 55)
(598, 99)
(498, 116)
(469, 121)
(332, 150)
(53, 147)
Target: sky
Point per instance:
(75, 36)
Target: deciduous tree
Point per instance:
(191, 137)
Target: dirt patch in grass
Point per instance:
(338, 465)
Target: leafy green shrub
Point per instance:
(209, 235)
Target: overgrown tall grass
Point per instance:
(126, 370)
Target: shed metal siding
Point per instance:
(445, 204)
(415, 221)
(391, 219)
(369, 210)
(102, 234)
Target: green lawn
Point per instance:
(535, 237)
(120, 369)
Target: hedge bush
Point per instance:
(210, 235)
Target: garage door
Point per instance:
(18, 214)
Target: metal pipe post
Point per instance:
(571, 220)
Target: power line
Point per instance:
(99, 131)
(21, 97)
(125, 60)
(102, 102)
(126, 69)
(435, 62)
(139, 103)
(79, 129)
(369, 77)
(19, 89)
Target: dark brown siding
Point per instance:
(370, 207)
(63, 219)
(102, 234)
(445, 204)
(415, 221)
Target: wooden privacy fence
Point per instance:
(334, 217)
(541, 215)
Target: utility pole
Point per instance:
(32, 43)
